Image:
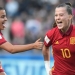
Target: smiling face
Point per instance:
(3, 19)
(62, 18)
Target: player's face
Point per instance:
(62, 18)
(3, 19)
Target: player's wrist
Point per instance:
(47, 67)
(33, 45)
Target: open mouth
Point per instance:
(3, 24)
(60, 22)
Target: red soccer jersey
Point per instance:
(63, 50)
(2, 40)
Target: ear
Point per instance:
(71, 16)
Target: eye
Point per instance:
(61, 14)
(55, 15)
(3, 16)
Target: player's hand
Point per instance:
(50, 72)
(38, 44)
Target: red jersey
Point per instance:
(63, 46)
(2, 40)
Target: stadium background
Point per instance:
(28, 20)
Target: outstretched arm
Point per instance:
(2, 73)
(46, 54)
(20, 48)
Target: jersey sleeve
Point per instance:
(48, 38)
(2, 40)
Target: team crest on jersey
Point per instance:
(56, 42)
(72, 40)
(47, 40)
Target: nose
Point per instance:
(5, 18)
(58, 17)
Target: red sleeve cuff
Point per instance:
(2, 42)
(46, 44)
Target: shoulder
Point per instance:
(73, 26)
(52, 31)
(49, 36)
(2, 39)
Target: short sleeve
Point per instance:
(2, 40)
(48, 39)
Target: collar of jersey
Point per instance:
(68, 32)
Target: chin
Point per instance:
(1, 28)
(60, 27)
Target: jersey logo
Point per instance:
(56, 42)
(47, 40)
(72, 40)
(0, 37)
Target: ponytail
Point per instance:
(54, 25)
(69, 4)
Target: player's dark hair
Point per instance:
(54, 25)
(68, 8)
(1, 8)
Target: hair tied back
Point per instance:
(68, 4)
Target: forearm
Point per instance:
(22, 48)
(17, 48)
(46, 55)
(2, 73)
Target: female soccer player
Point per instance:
(13, 48)
(62, 39)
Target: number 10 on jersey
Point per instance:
(66, 53)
